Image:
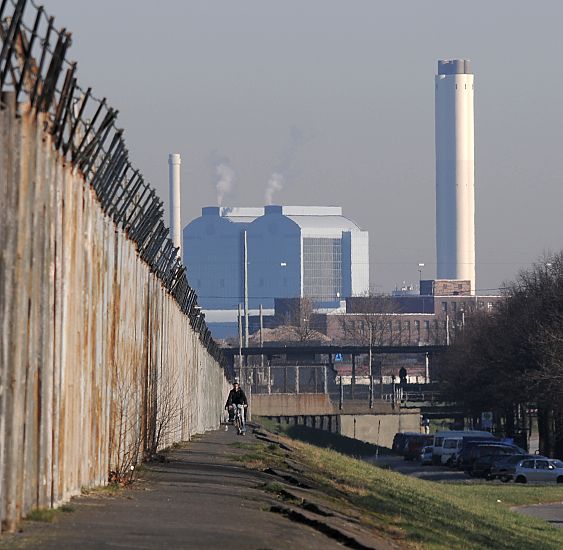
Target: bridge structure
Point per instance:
(332, 387)
(297, 350)
(294, 356)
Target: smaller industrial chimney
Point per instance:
(174, 162)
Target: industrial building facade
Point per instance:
(292, 252)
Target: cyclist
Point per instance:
(237, 397)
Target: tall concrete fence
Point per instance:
(105, 357)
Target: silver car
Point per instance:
(538, 469)
(426, 455)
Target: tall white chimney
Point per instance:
(455, 166)
(174, 163)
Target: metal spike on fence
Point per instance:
(122, 193)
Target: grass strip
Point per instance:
(428, 514)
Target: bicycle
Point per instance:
(238, 421)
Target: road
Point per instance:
(416, 469)
(552, 513)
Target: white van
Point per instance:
(447, 443)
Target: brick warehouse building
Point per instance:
(427, 318)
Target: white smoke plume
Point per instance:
(275, 183)
(225, 183)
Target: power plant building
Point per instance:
(455, 193)
(293, 252)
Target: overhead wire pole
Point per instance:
(370, 367)
(245, 290)
(239, 342)
(261, 338)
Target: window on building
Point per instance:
(445, 307)
(322, 268)
(454, 306)
(417, 330)
(407, 331)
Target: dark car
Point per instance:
(471, 453)
(400, 441)
(467, 442)
(414, 445)
(483, 466)
(466, 447)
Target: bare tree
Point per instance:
(375, 324)
(165, 414)
(511, 360)
(125, 439)
(299, 319)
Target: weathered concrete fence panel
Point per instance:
(99, 366)
(105, 357)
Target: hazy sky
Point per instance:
(338, 98)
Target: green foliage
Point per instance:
(46, 515)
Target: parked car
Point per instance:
(454, 460)
(472, 453)
(483, 466)
(400, 440)
(537, 469)
(414, 445)
(459, 437)
(504, 465)
(426, 455)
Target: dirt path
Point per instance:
(199, 499)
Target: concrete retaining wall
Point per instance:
(357, 426)
(292, 404)
(365, 427)
(98, 365)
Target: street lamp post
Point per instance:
(420, 267)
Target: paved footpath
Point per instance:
(552, 513)
(199, 499)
